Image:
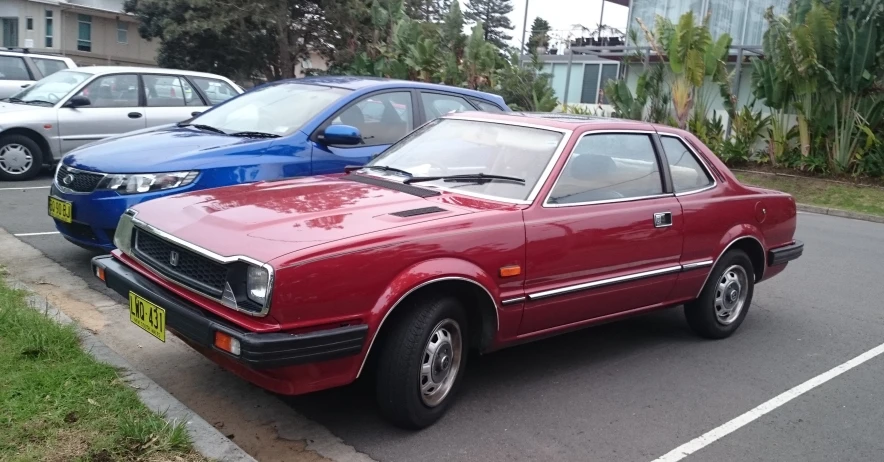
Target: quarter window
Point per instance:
(487, 107)
(381, 119)
(437, 105)
(687, 173)
(609, 166)
(112, 91)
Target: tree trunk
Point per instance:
(286, 64)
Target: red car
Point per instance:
(474, 232)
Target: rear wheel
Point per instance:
(725, 299)
(20, 158)
(421, 362)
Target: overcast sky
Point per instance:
(563, 14)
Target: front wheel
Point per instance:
(421, 362)
(20, 158)
(725, 299)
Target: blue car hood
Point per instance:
(163, 149)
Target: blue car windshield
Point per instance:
(278, 109)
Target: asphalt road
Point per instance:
(637, 389)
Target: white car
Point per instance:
(18, 69)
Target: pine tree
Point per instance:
(427, 10)
(492, 15)
(453, 37)
(539, 37)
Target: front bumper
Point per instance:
(257, 350)
(785, 254)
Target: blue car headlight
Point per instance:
(138, 183)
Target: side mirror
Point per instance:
(195, 113)
(78, 101)
(26, 85)
(341, 135)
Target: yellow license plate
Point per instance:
(147, 316)
(61, 210)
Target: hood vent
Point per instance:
(415, 212)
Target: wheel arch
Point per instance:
(42, 142)
(747, 242)
(471, 286)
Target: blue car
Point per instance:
(283, 129)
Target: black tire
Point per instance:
(402, 353)
(702, 314)
(36, 157)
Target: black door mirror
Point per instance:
(78, 101)
(26, 85)
(346, 135)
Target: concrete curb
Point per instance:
(840, 213)
(207, 440)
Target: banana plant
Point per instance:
(423, 58)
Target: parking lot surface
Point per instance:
(632, 390)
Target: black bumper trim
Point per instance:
(257, 350)
(785, 254)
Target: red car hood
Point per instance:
(269, 219)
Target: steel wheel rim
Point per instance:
(440, 362)
(730, 294)
(15, 159)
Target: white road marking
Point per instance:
(24, 188)
(713, 435)
(35, 234)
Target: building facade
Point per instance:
(91, 32)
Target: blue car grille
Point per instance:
(77, 180)
(190, 269)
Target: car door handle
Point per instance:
(134, 115)
(662, 219)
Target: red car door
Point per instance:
(608, 236)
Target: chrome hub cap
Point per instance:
(730, 294)
(15, 159)
(440, 362)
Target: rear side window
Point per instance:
(218, 91)
(169, 91)
(487, 107)
(49, 66)
(687, 172)
(437, 105)
(13, 68)
(609, 166)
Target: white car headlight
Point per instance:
(137, 183)
(257, 282)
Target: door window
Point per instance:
(169, 91)
(49, 66)
(687, 173)
(217, 91)
(487, 107)
(437, 105)
(608, 166)
(112, 91)
(13, 68)
(381, 119)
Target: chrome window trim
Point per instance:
(75, 170)
(413, 289)
(547, 204)
(726, 248)
(604, 282)
(698, 157)
(557, 154)
(211, 256)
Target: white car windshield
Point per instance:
(51, 89)
(447, 147)
(276, 109)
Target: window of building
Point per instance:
(29, 23)
(609, 166)
(122, 32)
(687, 173)
(48, 28)
(84, 32)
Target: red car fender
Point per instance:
(734, 235)
(421, 275)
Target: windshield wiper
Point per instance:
(473, 178)
(14, 100)
(385, 168)
(37, 101)
(207, 128)
(254, 134)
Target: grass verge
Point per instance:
(57, 403)
(812, 191)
